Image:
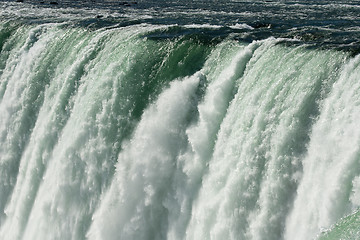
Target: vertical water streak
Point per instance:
(9, 33)
(114, 88)
(222, 74)
(23, 81)
(304, 78)
(207, 204)
(68, 67)
(332, 162)
(81, 164)
(133, 207)
(252, 175)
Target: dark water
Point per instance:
(321, 23)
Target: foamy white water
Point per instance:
(134, 130)
(331, 166)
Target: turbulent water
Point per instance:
(179, 120)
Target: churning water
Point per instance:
(180, 120)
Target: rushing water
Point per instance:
(179, 120)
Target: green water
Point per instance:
(346, 228)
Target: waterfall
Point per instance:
(116, 133)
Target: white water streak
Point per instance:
(252, 174)
(201, 138)
(52, 116)
(332, 161)
(81, 162)
(21, 95)
(135, 205)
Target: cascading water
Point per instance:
(160, 131)
(329, 186)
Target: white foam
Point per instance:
(241, 26)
